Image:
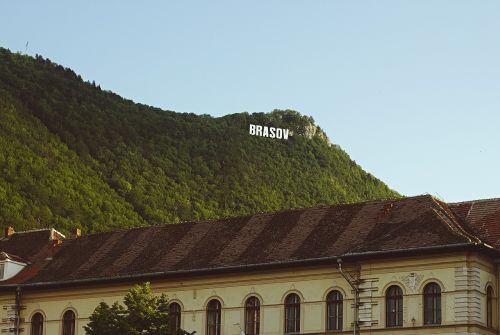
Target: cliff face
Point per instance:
(72, 154)
(312, 130)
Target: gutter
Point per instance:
(251, 267)
(424, 249)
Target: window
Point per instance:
(252, 316)
(37, 324)
(394, 306)
(489, 307)
(432, 304)
(174, 316)
(69, 323)
(292, 313)
(2, 270)
(334, 310)
(213, 317)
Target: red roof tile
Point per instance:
(483, 216)
(264, 239)
(31, 246)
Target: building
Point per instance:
(408, 266)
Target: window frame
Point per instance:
(214, 311)
(394, 319)
(434, 316)
(72, 330)
(252, 316)
(174, 317)
(489, 306)
(293, 307)
(335, 300)
(39, 324)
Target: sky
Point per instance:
(409, 89)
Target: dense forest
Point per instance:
(74, 155)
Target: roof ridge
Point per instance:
(251, 215)
(32, 231)
(302, 208)
(473, 201)
(457, 225)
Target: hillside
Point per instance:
(72, 154)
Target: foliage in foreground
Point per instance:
(143, 313)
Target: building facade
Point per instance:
(408, 266)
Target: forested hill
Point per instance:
(72, 154)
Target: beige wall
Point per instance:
(463, 279)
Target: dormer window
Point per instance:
(10, 265)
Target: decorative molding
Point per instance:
(412, 281)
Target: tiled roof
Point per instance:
(483, 216)
(31, 246)
(257, 240)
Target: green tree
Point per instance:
(73, 155)
(144, 313)
(107, 320)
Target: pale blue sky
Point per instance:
(410, 89)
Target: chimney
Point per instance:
(76, 232)
(9, 231)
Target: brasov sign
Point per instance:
(271, 132)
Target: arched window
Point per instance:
(334, 310)
(394, 306)
(174, 316)
(37, 324)
(213, 317)
(252, 316)
(69, 323)
(292, 313)
(489, 307)
(432, 304)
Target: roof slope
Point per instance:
(483, 216)
(269, 238)
(31, 246)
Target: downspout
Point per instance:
(496, 320)
(355, 288)
(18, 311)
